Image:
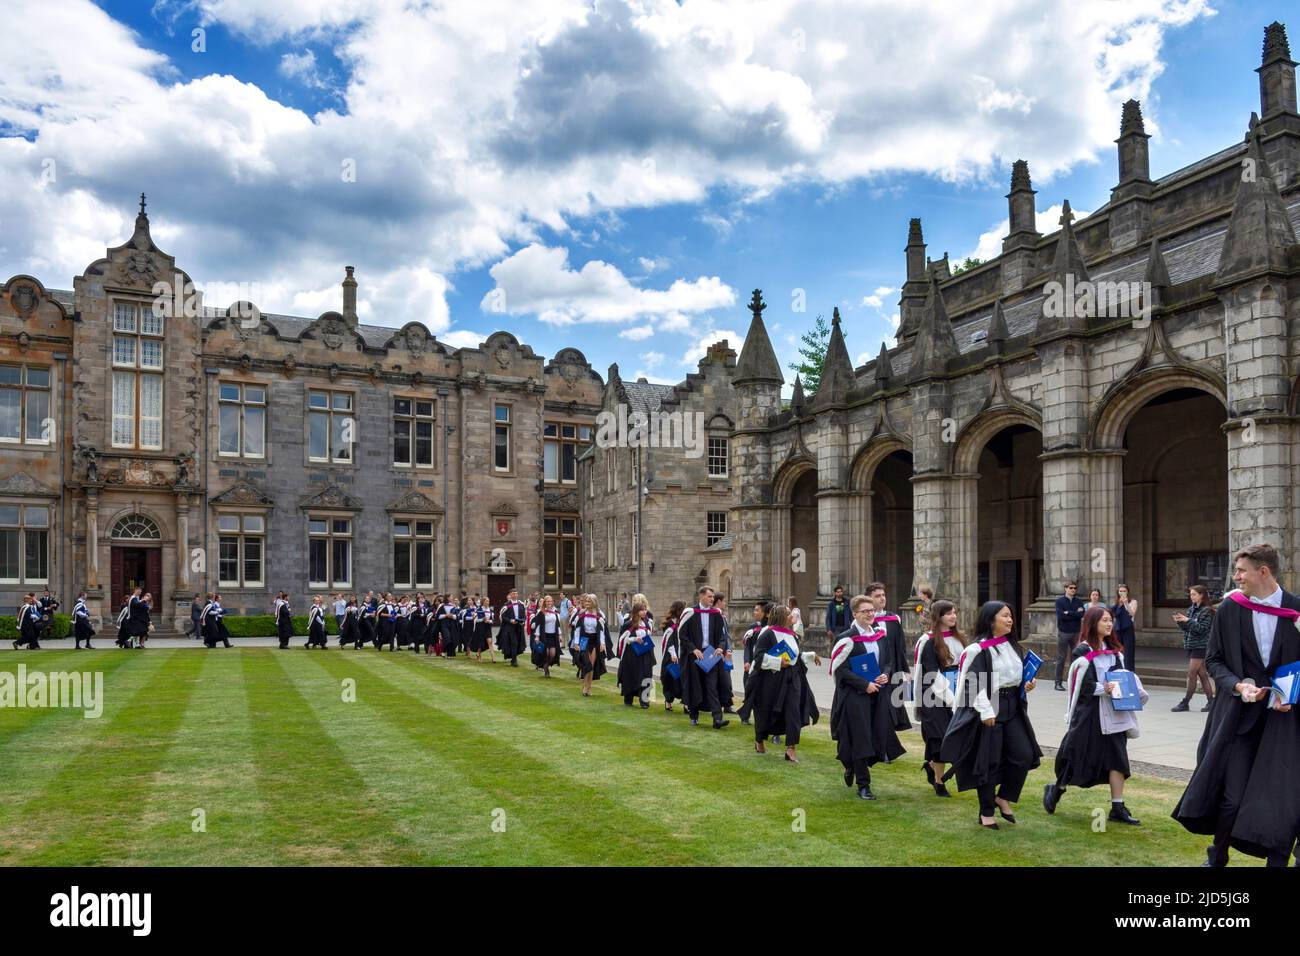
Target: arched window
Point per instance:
(136, 527)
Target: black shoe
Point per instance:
(929, 773)
(848, 777)
(1211, 858)
(695, 722)
(1207, 706)
(627, 703)
(865, 793)
(988, 826)
(15, 645)
(1052, 796)
(1120, 814)
(941, 791)
(745, 721)
(1058, 686)
(1006, 816)
(719, 724)
(645, 705)
(1180, 707)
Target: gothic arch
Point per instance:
(972, 439)
(787, 476)
(869, 457)
(133, 525)
(1126, 397)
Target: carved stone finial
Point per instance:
(756, 304)
(1067, 216)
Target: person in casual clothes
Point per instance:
(1125, 611)
(1069, 614)
(838, 617)
(1195, 625)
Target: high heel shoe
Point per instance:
(1006, 816)
(791, 758)
(987, 826)
(929, 773)
(759, 748)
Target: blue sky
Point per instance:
(613, 176)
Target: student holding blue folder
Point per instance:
(782, 700)
(935, 660)
(1093, 752)
(670, 668)
(702, 630)
(862, 720)
(636, 670)
(589, 632)
(990, 742)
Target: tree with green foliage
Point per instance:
(970, 262)
(813, 350)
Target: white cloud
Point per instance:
(655, 264)
(989, 246)
(877, 298)
(637, 332)
(463, 338)
(538, 279)
(691, 357)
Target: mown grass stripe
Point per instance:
(210, 767)
(87, 814)
(318, 809)
(17, 720)
(404, 756)
(534, 793)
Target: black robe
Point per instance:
(284, 623)
(933, 715)
(1268, 818)
(747, 657)
(543, 642)
(974, 750)
(781, 701)
(593, 658)
(29, 625)
(690, 635)
(510, 636)
(896, 641)
(862, 722)
(1086, 755)
(316, 634)
(82, 629)
(350, 632)
(636, 672)
(214, 628)
(672, 686)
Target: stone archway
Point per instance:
(794, 499)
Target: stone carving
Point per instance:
(24, 341)
(136, 471)
(242, 492)
(414, 502)
(24, 299)
(331, 497)
(90, 460)
(502, 356)
(288, 366)
(21, 483)
(138, 268)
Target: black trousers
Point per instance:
(709, 682)
(861, 771)
(1017, 753)
(1064, 645)
(1241, 757)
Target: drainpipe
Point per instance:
(211, 374)
(446, 517)
(64, 436)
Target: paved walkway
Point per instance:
(1168, 740)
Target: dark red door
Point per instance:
(153, 575)
(115, 581)
(499, 586)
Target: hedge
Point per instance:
(9, 626)
(263, 625)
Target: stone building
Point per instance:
(152, 439)
(683, 457)
(1113, 402)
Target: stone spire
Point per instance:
(757, 359)
(1134, 157)
(1277, 93)
(1061, 290)
(1020, 208)
(797, 400)
(997, 334)
(349, 297)
(884, 367)
(1259, 231)
(140, 238)
(1157, 275)
(837, 368)
(913, 292)
(935, 344)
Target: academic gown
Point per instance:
(747, 657)
(448, 628)
(214, 628)
(933, 698)
(635, 671)
(862, 723)
(668, 654)
(689, 633)
(482, 632)
(781, 701)
(1268, 818)
(596, 634)
(543, 642)
(316, 635)
(81, 626)
(1086, 755)
(29, 626)
(897, 643)
(974, 750)
(284, 622)
(510, 636)
(350, 632)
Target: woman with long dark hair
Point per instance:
(990, 742)
(782, 701)
(1196, 625)
(1094, 749)
(935, 659)
(668, 656)
(636, 671)
(1124, 611)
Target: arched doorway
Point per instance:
(1009, 519)
(803, 543)
(891, 525)
(135, 555)
(1175, 518)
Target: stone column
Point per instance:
(92, 539)
(834, 539)
(1106, 521)
(183, 546)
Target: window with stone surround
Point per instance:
(562, 443)
(24, 544)
(591, 545)
(241, 550)
(562, 551)
(718, 461)
(329, 551)
(716, 527)
(609, 543)
(25, 404)
(413, 553)
(330, 425)
(242, 413)
(137, 396)
(634, 524)
(1175, 572)
(413, 428)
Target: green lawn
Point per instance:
(419, 767)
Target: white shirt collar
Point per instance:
(1273, 600)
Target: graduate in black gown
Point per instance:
(1094, 750)
(726, 692)
(82, 629)
(283, 619)
(761, 611)
(480, 635)
(936, 654)
(350, 629)
(316, 634)
(897, 641)
(636, 671)
(29, 623)
(212, 623)
(779, 695)
(448, 626)
(130, 622)
(702, 629)
(862, 719)
(990, 741)
(546, 636)
(588, 635)
(1244, 791)
(510, 636)
(669, 656)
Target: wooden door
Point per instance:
(116, 597)
(153, 575)
(498, 588)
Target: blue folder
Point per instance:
(865, 666)
(582, 643)
(727, 666)
(951, 675)
(1129, 698)
(641, 648)
(710, 659)
(1286, 683)
(782, 648)
(673, 669)
(1032, 665)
